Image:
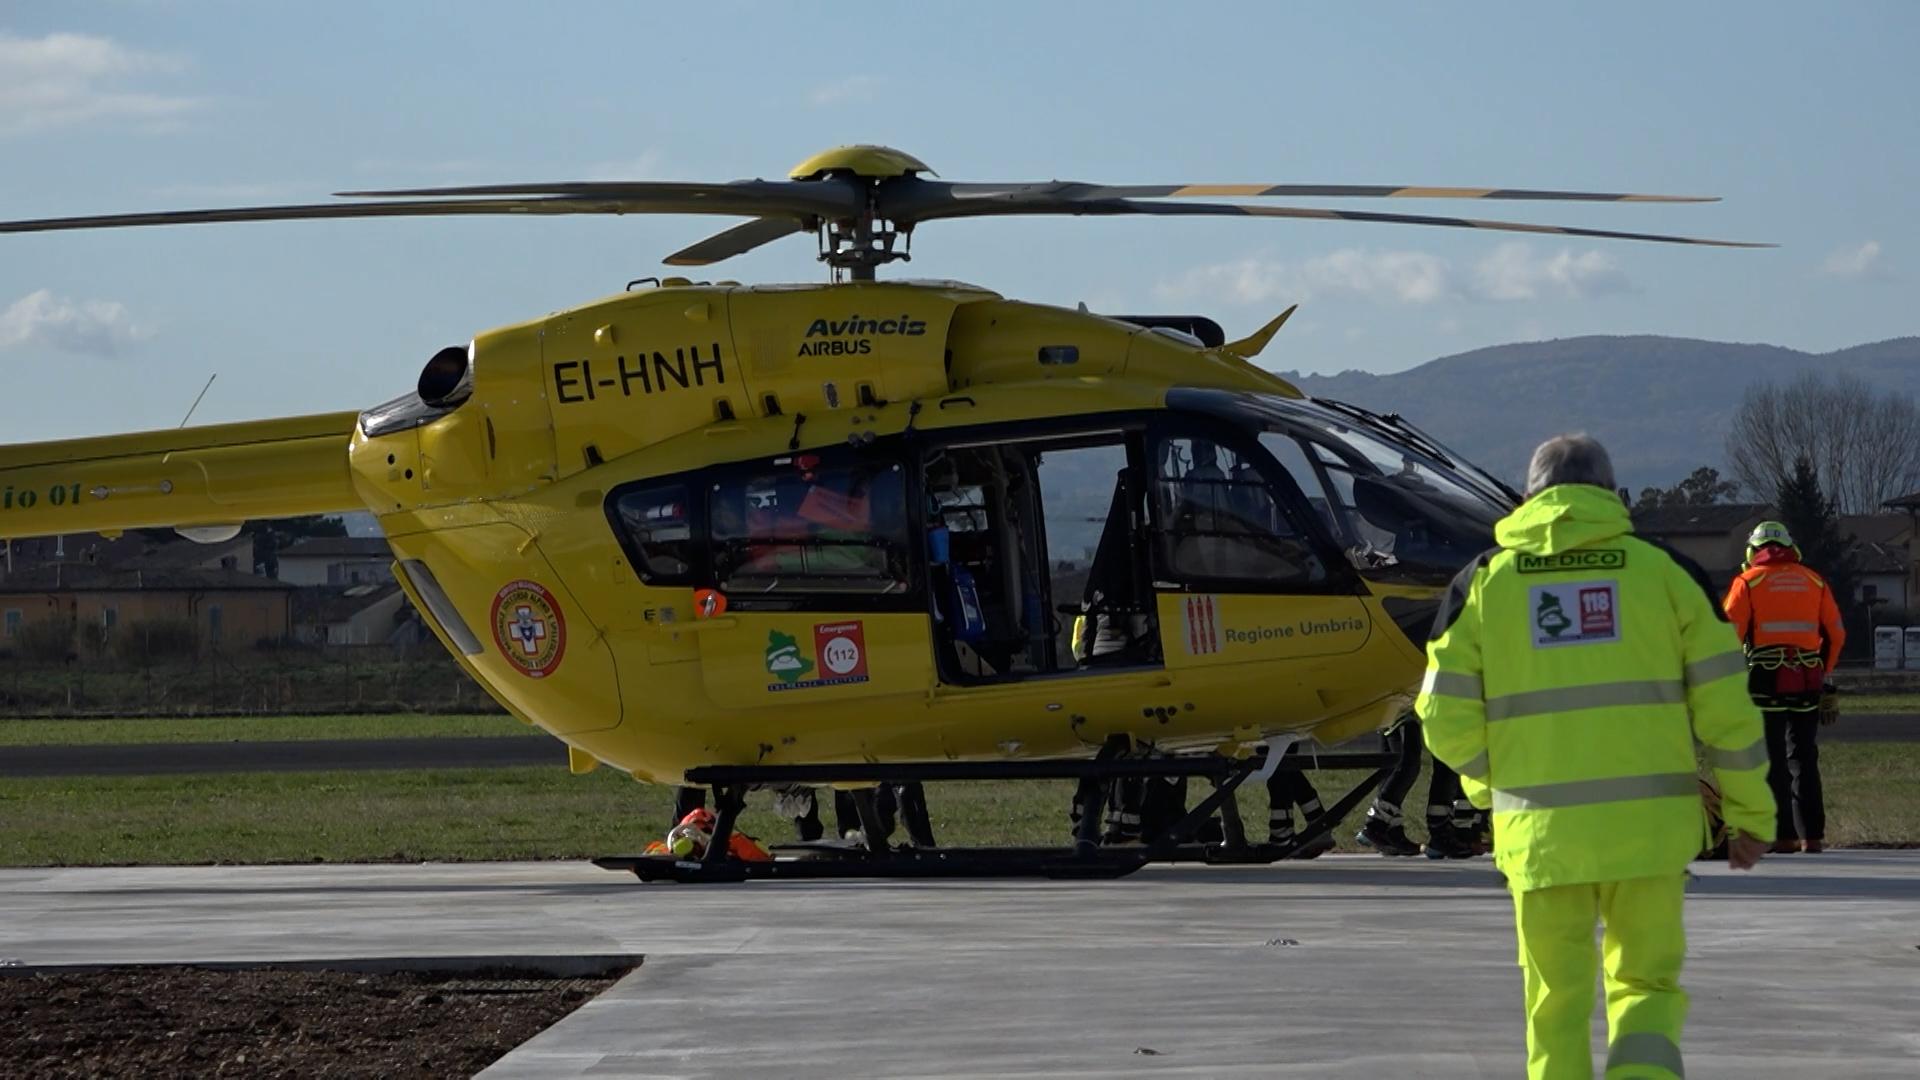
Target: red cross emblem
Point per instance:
(529, 628)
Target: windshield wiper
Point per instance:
(1396, 425)
(1392, 425)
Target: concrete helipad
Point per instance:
(1346, 967)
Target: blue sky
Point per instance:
(1803, 118)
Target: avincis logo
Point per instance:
(1580, 559)
(827, 337)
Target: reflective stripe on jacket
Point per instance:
(1570, 673)
(1786, 603)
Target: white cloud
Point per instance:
(1406, 277)
(86, 327)
(1510, 272)
(63, 80)
(853, 88)
(1853, 262)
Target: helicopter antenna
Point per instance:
(198, 400)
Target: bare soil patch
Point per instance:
(183, 1021)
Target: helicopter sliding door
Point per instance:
(812, 552)
(1032, 566)
(1244, 569)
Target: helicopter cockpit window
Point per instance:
(1395, 514)
(801, 526)
(1219, 520)
(658, 532)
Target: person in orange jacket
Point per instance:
(1787, 618)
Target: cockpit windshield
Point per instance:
(1402, 507)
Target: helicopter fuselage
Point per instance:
(698, 524)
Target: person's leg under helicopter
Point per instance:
(1286, 789)
(802, 804)
(1126, 806)
(1450, 818)
(912, 800)
(1385, 829)
(685, 801)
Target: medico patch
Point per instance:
(1576, 613)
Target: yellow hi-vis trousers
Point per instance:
(1644, 945)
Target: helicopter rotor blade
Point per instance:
(809, 200)
(1083, 192)
(736, 241)
(830, 197)
(1129, 206)
(916, 199)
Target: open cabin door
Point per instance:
(1033, 566)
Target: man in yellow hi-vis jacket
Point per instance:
(1570, 672)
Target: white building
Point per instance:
(337, 560)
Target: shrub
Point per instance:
(155, 639)
(92, 639)
(48, 640)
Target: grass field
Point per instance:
(1873, 798)
(63, 732)
(1879, 703)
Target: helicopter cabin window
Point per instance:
(659, 533)
(1221, 524)
(802, 525)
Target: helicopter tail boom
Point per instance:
(194, 477)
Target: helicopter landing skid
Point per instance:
(814, 864)
(1086, 860)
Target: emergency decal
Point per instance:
(842, 649)
(839, 657)
(1203, 626)
(1579, 613)
(1577, 560)
(529, 628)
(784, 661)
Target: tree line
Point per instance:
(1813, 448)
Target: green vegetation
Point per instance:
(266, 681)
(1878, 703)
(1873, 793)
(84, 732)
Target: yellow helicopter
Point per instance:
(859, 532)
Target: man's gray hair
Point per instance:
(1570, 459)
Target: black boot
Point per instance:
(1319, 845)
(1388, 837)
(1446, 842)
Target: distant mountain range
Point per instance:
(1661, 405)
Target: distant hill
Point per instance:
(1661, 404)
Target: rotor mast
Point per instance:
(861, 244)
